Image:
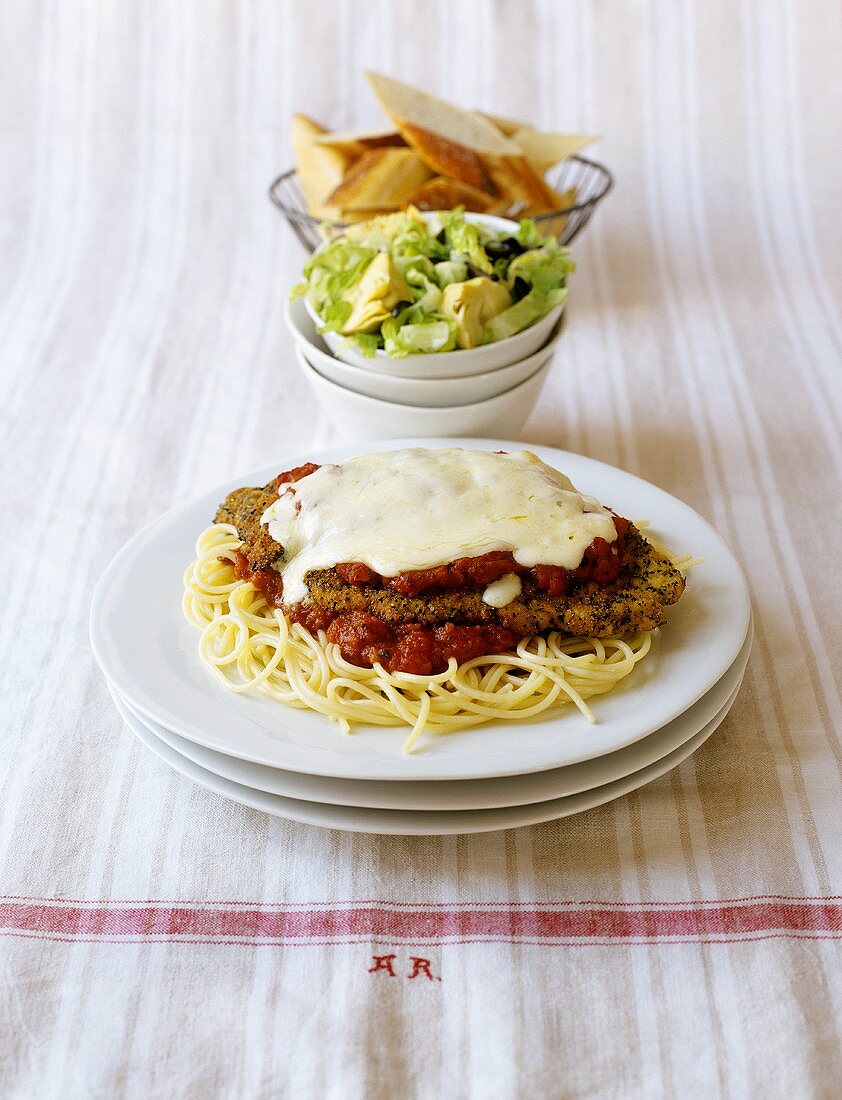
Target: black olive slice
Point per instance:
(520, 289)
(507, 248)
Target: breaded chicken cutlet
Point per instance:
(647, 583)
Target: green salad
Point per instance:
(396, 284)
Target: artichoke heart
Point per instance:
(472, 304)
(376, 295)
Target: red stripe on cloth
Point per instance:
(584, 903)
(255, 925)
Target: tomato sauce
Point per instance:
(269, 581)
(365, 640)
(601, 564)
(295, 474)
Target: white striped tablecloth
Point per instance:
(157, 941)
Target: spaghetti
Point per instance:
(250, 646)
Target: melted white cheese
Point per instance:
(414, 509)
(502, 592)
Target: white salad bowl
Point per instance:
(363, 418)
(461, 363)
(426, 392)
(449, 364)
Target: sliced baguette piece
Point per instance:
(356, 142)
(380, 178)
(543, 149)
(442, 193)
(320, 168)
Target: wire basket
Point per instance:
(592, 181)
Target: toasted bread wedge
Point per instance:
(355, 143)
(380, 178)
(554, 227)
(452, 141)
(517, 182)
(441, 193)
(543, 150)
(352, 216)
(320, 168)
(506, 126)
(462, 145)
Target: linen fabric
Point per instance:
(157, 941)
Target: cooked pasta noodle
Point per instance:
(250, 646)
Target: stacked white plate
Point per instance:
(297, 764)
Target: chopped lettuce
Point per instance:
(529, 235)
(465, 238)
(422, 336)
(367, 343)
(395, 303)
(451, 271)
(531, 308)
(430, 291)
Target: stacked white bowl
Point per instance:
(484, 391)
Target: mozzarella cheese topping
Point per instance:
(398, 511)
(502, 592)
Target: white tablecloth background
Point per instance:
(159, 942)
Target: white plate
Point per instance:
(465, 794)
(414, 822)
(148, 651)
